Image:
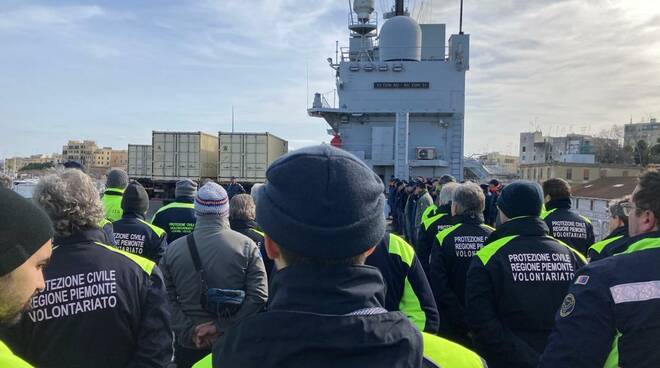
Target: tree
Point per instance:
(607, 147)
(642, 153)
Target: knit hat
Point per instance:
(444, 179)
(24, 228)
(338, 213)
(521, 198)
(212, 200)
(117, 178)
(135, 199)
(185, 188)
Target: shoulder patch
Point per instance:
(582, 280)
(567, 306)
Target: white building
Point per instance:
(535, 148)
(592, 200)
(648, 132)
(402, 100)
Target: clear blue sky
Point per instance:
(113, 71)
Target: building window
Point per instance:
(524, 149)
(586, 174)
(548, 176)
(569, 174)
(625, 173)
(591, 205)
(534, 158)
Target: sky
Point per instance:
(113, 71)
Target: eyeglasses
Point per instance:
(627, 208)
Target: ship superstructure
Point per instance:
(401, 94)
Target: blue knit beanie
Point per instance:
(521, 198)
(337, 212)
(211, 200)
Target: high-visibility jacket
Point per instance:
(450, 259)
(568, 226)
(177, 218)
(438, 353)
(514, 286)
(611, 314)
(9, 360)
(407, 289)
(112, 203)
(616, 242)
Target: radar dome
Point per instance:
(400, 39)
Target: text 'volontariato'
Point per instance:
(73, 294)
(530, 267)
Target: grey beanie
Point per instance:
(117, 178)
(185, 188)
(337, 213)
(135, 199)
(521, 198)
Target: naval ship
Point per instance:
(401, 94)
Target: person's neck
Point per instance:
(211, 222)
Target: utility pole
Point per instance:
(232, 118)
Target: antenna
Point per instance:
(398, 7)
(232, 118)
(307, 84)
(460, 20)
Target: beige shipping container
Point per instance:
(247, 155)
(140, 160)
(178, 155)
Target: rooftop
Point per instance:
(606, 188)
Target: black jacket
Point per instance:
(177, 218)
(514, 286)
(614, 243)
(612, 310)
(406, 286)
(134, 235)
(450, 259)
(101, 308)
(441, 220)
(324, 317)
(568, 226)
(234, 189)
(251, 230)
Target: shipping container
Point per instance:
(178, 155)
(140, 160)
(247, 155)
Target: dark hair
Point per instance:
(556, 188)
(291, 259)
(646, 197)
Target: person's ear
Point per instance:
(368, 252)
(272, 249)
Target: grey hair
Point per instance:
(71, 200)
(469, 199)
(616, 208)
(254, 191)
(446, 193)
(241, 207)
(5, 181)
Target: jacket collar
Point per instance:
(132, 215)
(525, 225)
(243, 224)
(184, 199)
(335, 289)
(619, 231)
(445, 208)
(85, 236)
(113, 191)
(558, 203)
(211, 222)
(467, 219)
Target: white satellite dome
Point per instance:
(400, 39)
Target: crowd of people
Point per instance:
(313, 275)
